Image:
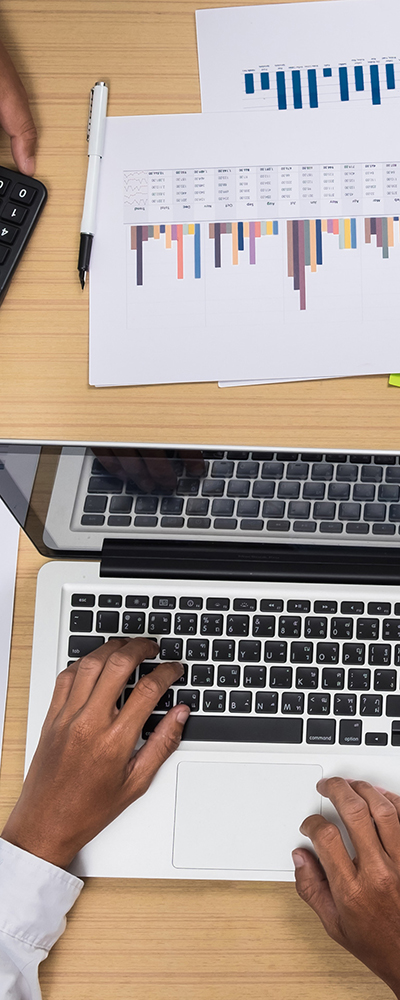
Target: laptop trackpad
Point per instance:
(242, 816)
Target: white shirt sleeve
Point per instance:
(34, 898)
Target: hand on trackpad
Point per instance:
(241, 816)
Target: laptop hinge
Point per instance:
(190, 560)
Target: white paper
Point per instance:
(243, 321)
(9, 535)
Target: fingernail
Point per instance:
(298, 859)
(183, 714)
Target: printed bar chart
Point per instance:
(302, 88)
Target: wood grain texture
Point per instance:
(129, 939)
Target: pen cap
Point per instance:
(97, 119)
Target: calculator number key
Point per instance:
(8, 234)
(23, 193)
(14, 213)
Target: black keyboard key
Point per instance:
(322, 471)
(197, 505)
(180, 681)
(105, 484)
(302, 607)
(349, 511)
(211, 624)
(391, 628)
(249, 651)
(376, 739)
(361, 491)
(387, 459)
(311, 456)
(81, 645)
(264, 625)
(186, 624)
(83, 600)
(266, 605)
(119, 520)
(332, 678)
(244, 604)
(228, 676)
(171, 649)
(275, 652)
(360, 459)
(197, 649)
(297, 470)
(346, 473)
(225, 523)
(307, 677)
(371, 473)
(223, 649)
(187, 487)
(247, 470)
(222, 470)
(292, 703)
(288, 491)
(313, 491)
(272, 470)
(299, 508)
(92, 520)
(145, 521)
(290, 626)
(218, 603)
(379, 654)
(146, 505)
(107, 621)
(198, 522)
(370, 704)
(133, 623)
(374, 512)
(393, 706)
(172, 522)
(240, 701)
(321, 731)
(305, 526)
(385, 680)
(352, 607)
(254, 677)
(341, 628)
(388, 494)
(14, 213)
(266, 702)
(396, 733)
(23, 193)
(110, 601)
(394, 512)
(393, 474)
(273, 508)
(331, 527)
(315, 628)
(353, 653)
(203, 676)
(81, 621)
(350, 732)
(159, 624)
(136, 601)
(7, 234)
(367, 628)
(327, 652)
(264, 490)
(344, 704)
(120, 504)
(379, 608)
(191, 698)
(224, 507)
(262, 456)
(324, 510)
(287, 456)
(171, 505)
(325, 607)
(257, 525)
(359, 680)
(335, 457)
(301, 652)
(236, 729)
(214, 701)
(383, 529)
(248, 508)
(239, 488)
(319, 704)
(237, 624)
(190, 603)
(95, 504)
(338, 491)
(280, 677)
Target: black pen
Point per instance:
(95, 138)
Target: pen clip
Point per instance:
(90, 114)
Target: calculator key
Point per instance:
(214, 701)
(307, 677)
(4, 184)
(81, 645)
(319, 704)
(14, 213)
(203, 676)
(197, 649)
(240, 701)
(170, 649)
(81, 621)
(133, 623)
(254, 677)
(3, 254)
(190, 698)
(228, 676)
(7, 234)
(266, 702)
(359, 680)
(280, 677)
(350, 732)
(23, 193)
(344, 704)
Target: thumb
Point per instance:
(15, 115)
(313, 887)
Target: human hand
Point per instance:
(357, 901)
(15, 115)
(150, 468)
(85, 772)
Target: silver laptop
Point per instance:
(273, 576)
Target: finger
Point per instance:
(392, 796)
(62, 689)
(354, 811)
(313, 887)
(118, 667)
(15, 115)
(88, 671)
(144, 698)
(109, 461)
(194, 462)
(160, 745)
(384, 815)
(330, 849)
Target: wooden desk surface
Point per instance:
(162, 940)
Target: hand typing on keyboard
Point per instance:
(150, 469)
(15, 115)
(85, 772)
(358, 902)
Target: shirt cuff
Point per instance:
(34, 896)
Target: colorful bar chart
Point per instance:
(308, 88)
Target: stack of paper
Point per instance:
(259, 241)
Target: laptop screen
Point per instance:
(76, 499)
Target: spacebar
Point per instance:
(236, 730)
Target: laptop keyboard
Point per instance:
(320, 495)
(308, 668)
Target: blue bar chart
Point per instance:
(312, 87)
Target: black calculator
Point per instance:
(21, 201)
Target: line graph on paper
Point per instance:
(320, 216)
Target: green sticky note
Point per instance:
(394, 380)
